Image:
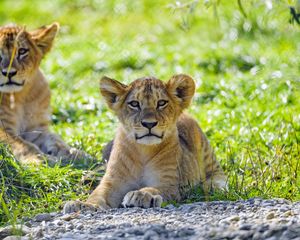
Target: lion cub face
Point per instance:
(148, 108)
(21, 53)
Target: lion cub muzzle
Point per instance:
(151, 135)
(10, 83)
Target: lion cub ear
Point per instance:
(44, 36)
(183, 88)
(112, 91)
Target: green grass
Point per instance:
(247, 100)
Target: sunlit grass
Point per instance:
(247, 99)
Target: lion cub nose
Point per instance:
(11, 73)
(149, 125)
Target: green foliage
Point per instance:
(247, 99)
(27, 190)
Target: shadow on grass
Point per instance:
(28, 190)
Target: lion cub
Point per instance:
(25, 96)
(159, 153)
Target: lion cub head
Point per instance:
(148, 108)
(21, 53)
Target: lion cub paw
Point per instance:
(142, 199)
(75, 206)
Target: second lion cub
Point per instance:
(158, 152)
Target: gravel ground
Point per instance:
(250, 219)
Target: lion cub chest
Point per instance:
(149, 177)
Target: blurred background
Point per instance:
(243, 55)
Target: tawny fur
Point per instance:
(25, 112)
(144, 171)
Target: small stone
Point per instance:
(28, 224)
(160, 229)
(283, 201)
(68, 235)
(10, 230)
(274, 231)
(257, 202)
(284, 209)
(151, 235)
(272, 238)
(135, 231)
(170, 206)
(270, 215)
(69, 217)
(245, 234)
(254, 219)
(288, 213)
(233, 218)
(119, 234)
(16, 238)
(224, 221)
(54, 214)
(79, 226)
(282, 221)
(58, 222)
(187, 208)
(212, 233)
(109, 217)
(267, 204)
(289, 234)
(186, 232)
(59, 230)
(43, 217)
(70, 227)
(263, 228)
(239, 207)
(38, 233)
(257, 236)
(245, 227)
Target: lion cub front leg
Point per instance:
(108, 194)
(75, 206)
(162, 186)
(145, 197)
(52, 145)
(24, 151)
(94, 202)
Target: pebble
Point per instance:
(270, 215)
(10, 230)
(287, 213)
(170, 207)
(227, 220)
(43, 217)
(245, 227)
(151, 235)
(79, 226)
(234, 218)
(16, 238)
(58, 222)
(244, 219)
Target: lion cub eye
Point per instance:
(22, 51)
(161, 104)
(134, 104)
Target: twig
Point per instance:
(242, 8)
